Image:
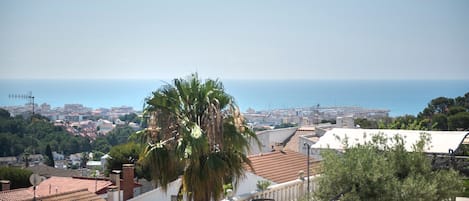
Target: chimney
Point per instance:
(5, 185)
(113, 193)
(116, 179)
(128, 180)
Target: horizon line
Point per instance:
(255, 79)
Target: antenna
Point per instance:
(28, 96)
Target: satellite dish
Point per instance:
(35, 179)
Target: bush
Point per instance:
(377, 171)
(19, 178)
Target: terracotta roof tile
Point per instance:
(62, 188)
(21, 194)
(56, 185)
(281, 166)
(77, 195)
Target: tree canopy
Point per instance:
(196, 131)
(49, 157)
(19, 178)
(380, 171)
(125, 154)
(441, 113)
(32, 135)
(38, 135)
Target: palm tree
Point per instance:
(196, 132)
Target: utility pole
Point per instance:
(307, 165)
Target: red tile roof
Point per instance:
(21, 194)
(281, 166)
(77, 195)
(57, 185)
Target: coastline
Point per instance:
(399, 96)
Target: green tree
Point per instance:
(440, 121)
(119, 135)
(4, 114)
(85, 157)
(441, 104)
(18, 134)
(196, 131)
(459, 121)
(49, 157)
(365, 123)
(19, 178)
(132, 117)
(463, 101)
(285, 125)
(378, 171)
(125, 154)
(101, 144)
(456, 109)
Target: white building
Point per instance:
(104, 160)
(441, 142)
(104, 126)
(75, 159)
(57, 156)
(345, 122)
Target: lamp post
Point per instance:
(307, 167)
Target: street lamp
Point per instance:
(307, 165)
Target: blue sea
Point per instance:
(399, 96)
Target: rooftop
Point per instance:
(441, 141)
(16, 195)
(57, 186)
(47, 171)
(281, 166)
(292, 144)
(77, 195)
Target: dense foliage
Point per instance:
(377, 171)
(285, 125)
(117, 136)
(132, 117)
(197, 132)
(440, 114)
(128, 153)
(49, 157)
(32, 135)
(19, 178)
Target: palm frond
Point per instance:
(196, 131)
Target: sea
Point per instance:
(399, 96)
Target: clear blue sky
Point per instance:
(368, 39)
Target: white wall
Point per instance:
(248, 184)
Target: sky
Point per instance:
(242, 39)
